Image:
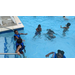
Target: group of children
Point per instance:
(60, 53)
(50, 33)
(20, 46)
(19, 41)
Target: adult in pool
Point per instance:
(59, 54)
(38, 30)
(20, 47)
(17, 35)
(65, 28)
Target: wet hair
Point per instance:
(63, 16)
(68, 24)
(15, 31)
(39, 25)
(50, 31)
(62, 52)
(19, 40)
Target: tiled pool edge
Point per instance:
(10, 28)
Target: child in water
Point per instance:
(59, 54)
(65, 18)
(65, 28)
(38, 30)
(50, 33)
(20, 47)
(17, 35)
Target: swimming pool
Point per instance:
(40, 46)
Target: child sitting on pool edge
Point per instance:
(38, 30)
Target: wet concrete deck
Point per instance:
(8, 24)
(7, 21)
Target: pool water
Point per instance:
(38, 47)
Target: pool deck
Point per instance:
(8, 24)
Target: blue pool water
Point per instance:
(40, 46)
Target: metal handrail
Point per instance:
(8, 53)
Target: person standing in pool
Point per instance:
(65, 28)
(38, 30)
(59, 54)
(17, 35)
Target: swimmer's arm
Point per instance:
(16, 37)
(17, 51)
(62, 27)
(49, 54)
(40, 29)
(23, 33)
(37, 30)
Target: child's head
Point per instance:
(15, 31)
(68, 24)
(39, 25)
(63, 16)
(60, 54)
(19, 40)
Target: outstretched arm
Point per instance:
(40, 29)
(49, 54)
(23, 33)
(37, 30)
(18, 38)
(62, 27)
